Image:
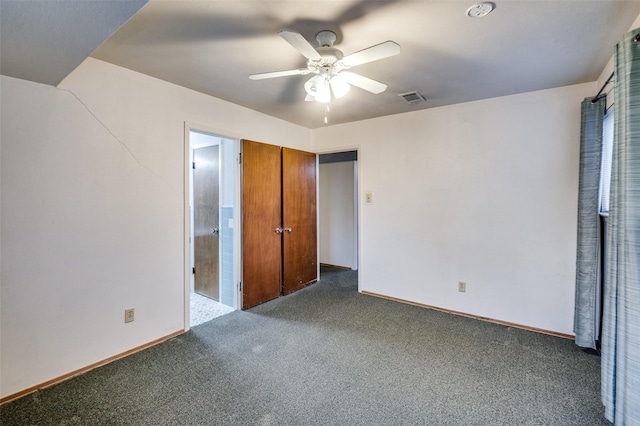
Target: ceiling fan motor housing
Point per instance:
(330, 58)
(326, 38)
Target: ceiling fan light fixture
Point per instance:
(311, 86)
(324, 92)
(339, 86)
(332, 80)
(318, 88)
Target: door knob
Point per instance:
(288, 230)
(279, 230)
(215, 230)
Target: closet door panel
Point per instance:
(299, 214)
(261, 215)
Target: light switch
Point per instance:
(368, 197)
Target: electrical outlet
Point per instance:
(462, 286)
(129, 315)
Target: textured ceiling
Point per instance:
(44, 41)
(213, 46)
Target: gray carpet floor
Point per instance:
(328, 355)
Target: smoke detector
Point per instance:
(414, 97)
(481, 9)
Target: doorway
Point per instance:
(338, 183)
(212, 254)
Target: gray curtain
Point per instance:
(621, 315)
(586, 322)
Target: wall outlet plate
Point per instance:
(129, 315)
(368, 197)
(462, 286)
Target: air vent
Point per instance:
(414, 97)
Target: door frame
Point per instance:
(187, 215)
(358, 201)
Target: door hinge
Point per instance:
(240, 158)
(193, 270)
(240, 286)
(193, 165)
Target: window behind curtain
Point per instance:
(607, 153)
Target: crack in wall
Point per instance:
(114, 136)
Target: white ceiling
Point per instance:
(44, 41)
(213, 46)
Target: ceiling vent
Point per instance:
(414, 97)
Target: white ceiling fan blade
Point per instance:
(263, 75)
(300, 43)
(373, 53)
(363, 82)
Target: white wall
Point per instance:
(92, 213)
(483, 192)
(337, 214)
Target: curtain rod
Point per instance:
(597, 97)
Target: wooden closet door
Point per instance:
(300, 252)
(261, 215)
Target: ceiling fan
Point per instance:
(330, 66)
